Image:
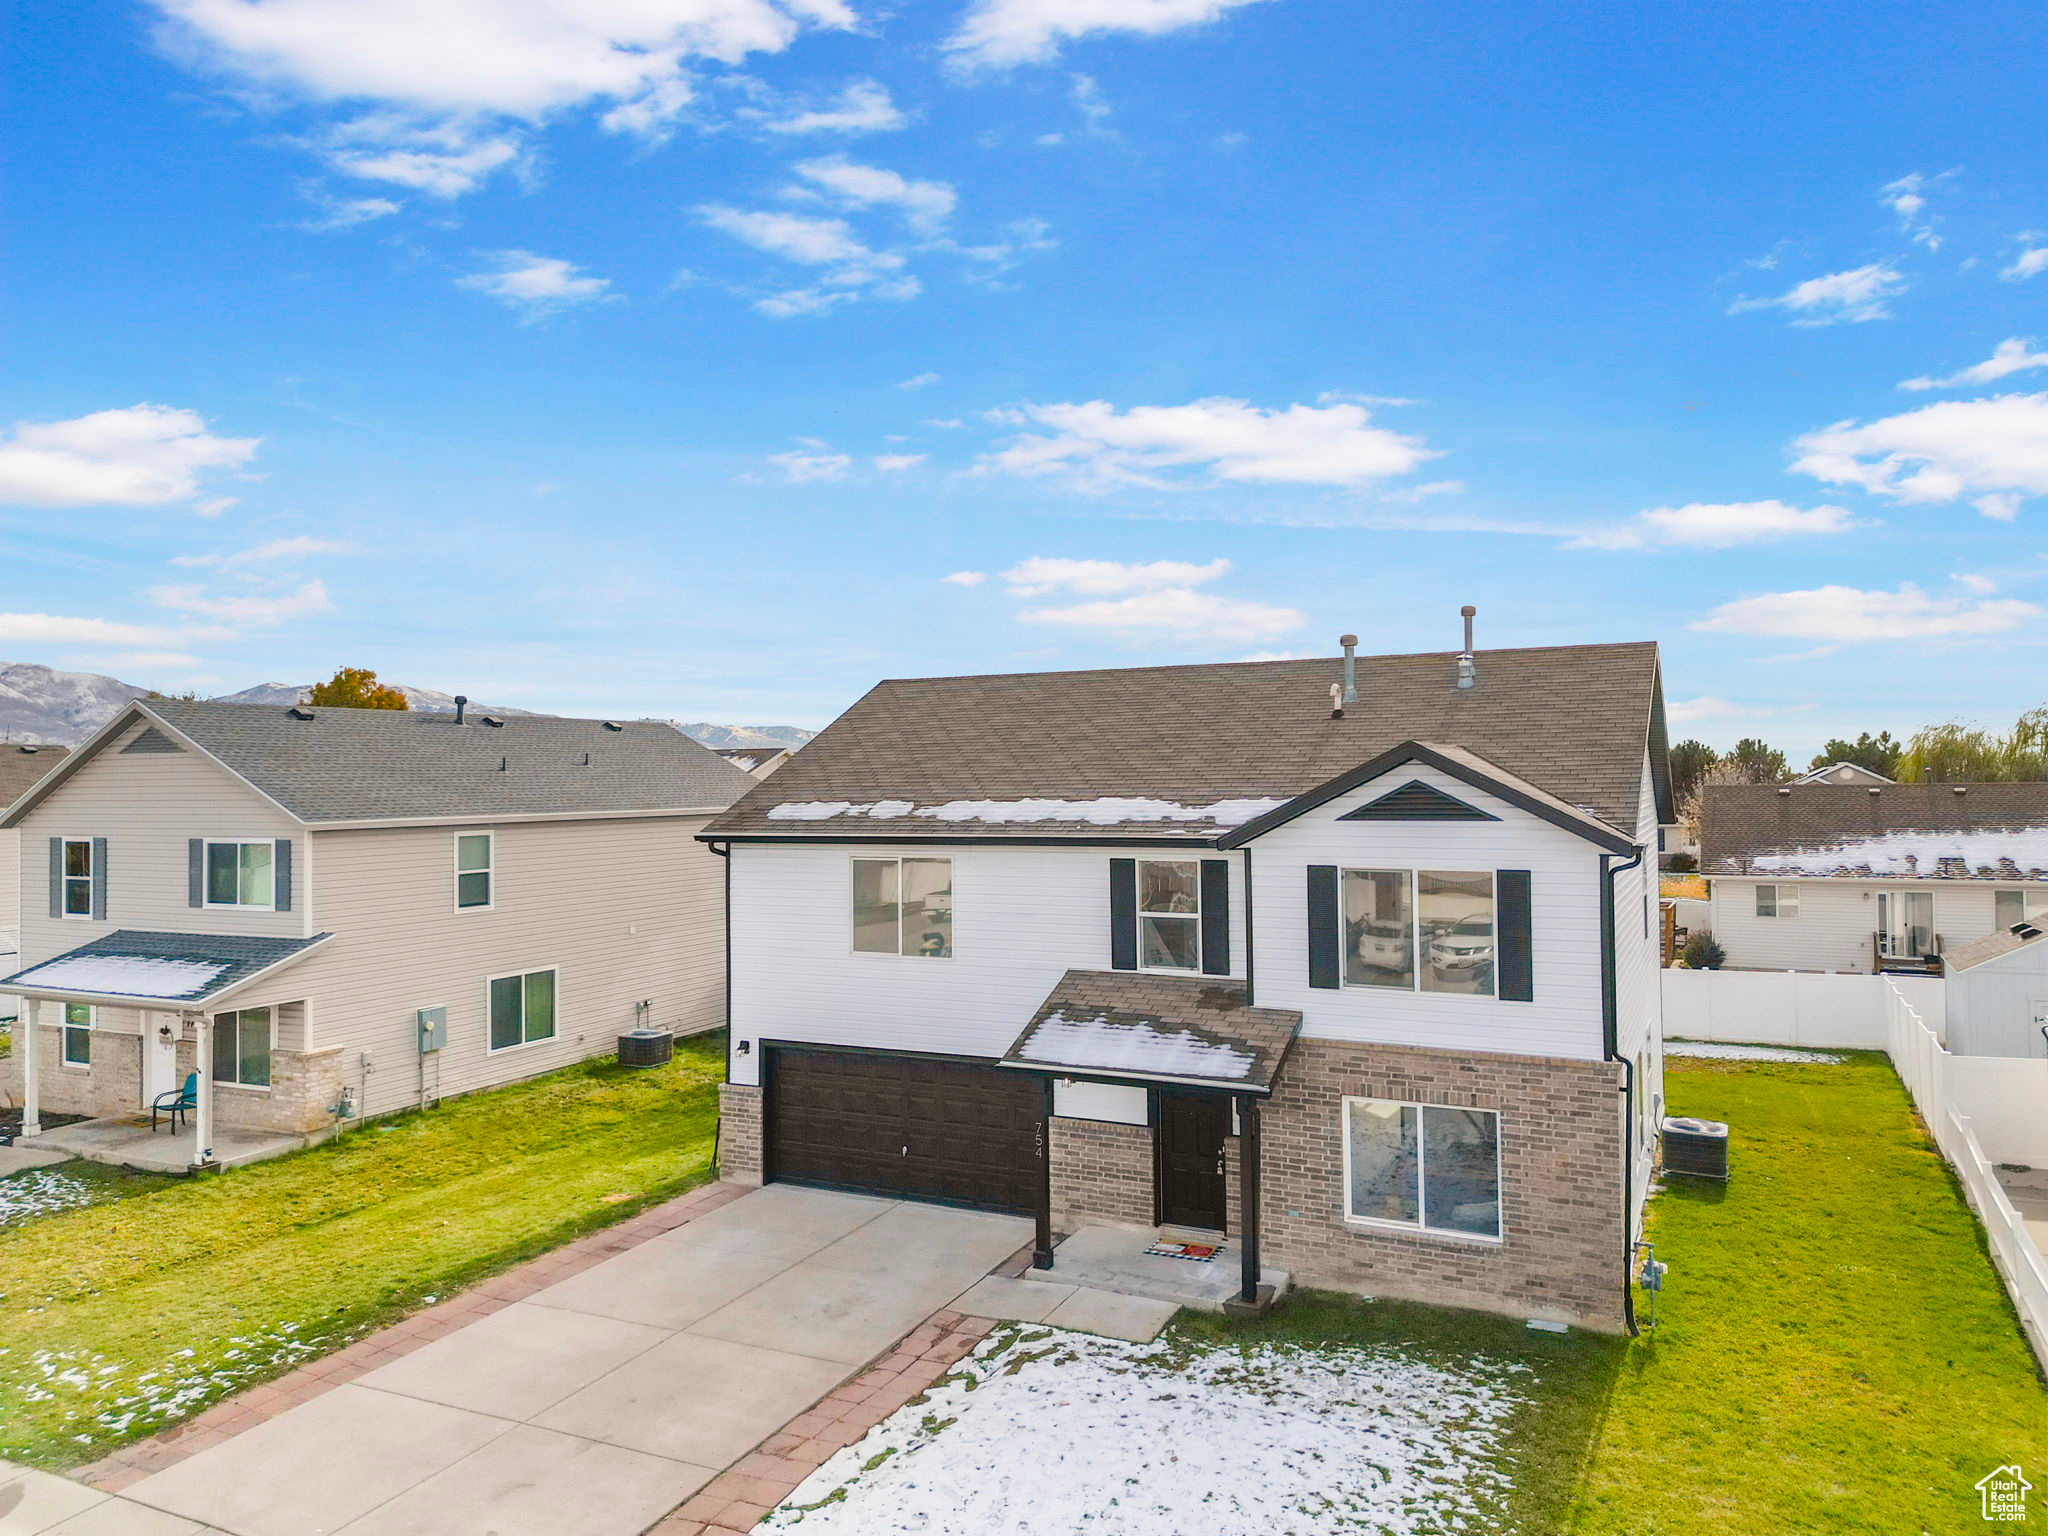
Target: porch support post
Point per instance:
(1248, 1197)
(202, 1113)
(1041, 1242)
(28, 1026)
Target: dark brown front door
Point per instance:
(954, 1131)
(1191, 1131)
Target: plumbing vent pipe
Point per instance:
(1467, 670)
(461, 708)
(1350, 694)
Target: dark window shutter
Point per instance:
(1216, 917)
(1123, 914)
(281, 868)
(99, 879)
(56, 877)
(1325, 941)
(1517, 957)
(195, 872)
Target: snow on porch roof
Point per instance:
(1166, 1029)
(176, 969)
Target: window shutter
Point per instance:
(1517, 956)
(1123, 914)
(1325, 932)
(99, 879)
(281, 869)
(195, 872)
(1216, 917)
(56, 877)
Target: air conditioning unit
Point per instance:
(646, 1047)
(1696, 1148)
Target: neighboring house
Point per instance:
(338, 912)
(1119, 946)
(1842, 773)
(759, 761)
(21, 764)
(1830, 877)
(1996, 995)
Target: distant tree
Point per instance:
(187, 697)
(1956, 753)
(1757, 762)
(355, 688)
(1879, 753)
(1690, 761)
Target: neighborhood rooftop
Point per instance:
(176, 968)
(327, 765)
(21, 764)
(1193, 751)
(1886, 832)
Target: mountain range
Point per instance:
(41, 704)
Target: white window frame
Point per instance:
(207, 845)
(1384, 1224)
(1194, 917)
(92, 870)
(489, 871)
(212, 1044)
(1415, 872)
(898, 859)
(1777, 888)
(524, 1044)
(65, 1029)
(2031, 896)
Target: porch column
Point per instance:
(29, 1024)
(1248, 1197)
(202, 1113)
(1041, 1242)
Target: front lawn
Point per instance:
(121, 1318)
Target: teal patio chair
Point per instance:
(175, 1103)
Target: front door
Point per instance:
(159, 1055)
(1190, 1159)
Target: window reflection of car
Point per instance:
(1382, 944)
(1465, 946)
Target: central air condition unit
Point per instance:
(1696, 1148)
(646, 1047)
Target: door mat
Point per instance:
(1200, 1253)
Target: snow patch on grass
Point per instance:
(1042, 1432)
(41, 1191)
(1717, 1051)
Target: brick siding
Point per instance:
(739, 1133)
(303, 1084)
(1101, 1172)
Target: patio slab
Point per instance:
(1137, 1318)
(665, 1285)
(21, 1159)
(126, 1141)
(1114, 1259)
(514, 1363)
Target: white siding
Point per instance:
(1997, 1008)
(1564, 878)
(1836, 920)
(1021, 918)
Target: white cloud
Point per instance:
(1714, 707)
(1858, 294)
(925, 205)
(1718, 525)
(863, 107)
(1907, 197)
(298, 547)
(1088, 100)
(1996, 449)
(1409, 495)
(1846, 614)
(852, 270)
(802, 468)
(347, 213)
(439, 172)
(1000, 33)
(919, 381)
(136, 661)
(537, 285)
(1106, 578)
(60, 629)
(1232, 440)
(896, 461)
(2031, 261)
(1179, 610)
(966, 578)
(143, 456)
(309, 597)
(2013, 355)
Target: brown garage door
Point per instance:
(905, 1125)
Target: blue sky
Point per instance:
(715, 358)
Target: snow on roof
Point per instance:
(124, 975)
(1107, 811)
(1987, 853)
(1097, 1043)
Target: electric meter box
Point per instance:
(433, 1028)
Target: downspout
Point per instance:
(1610, 1040)
(1250, 962)
(724, 851)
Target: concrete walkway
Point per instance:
(128, 1141)
(597, 1405)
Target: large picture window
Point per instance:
(522, 1009)
(78, 1034)
(241, 875)
(903, 907)
(1429, 930)
(473, 856)
(77, 876)
(1429, 1166)
(1170, 914)
(241, 1047)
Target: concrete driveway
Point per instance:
(594, 1407)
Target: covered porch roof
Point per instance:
(1125, 1026)
(159, 970)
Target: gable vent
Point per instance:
(152, 740)
(1417, 801)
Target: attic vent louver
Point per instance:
(493, 721)
(299, 714)
(151, 740)
(28, 751)
(1417, 801)
(613, 725)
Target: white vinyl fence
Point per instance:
(1813, 1008)
(1926, 1069)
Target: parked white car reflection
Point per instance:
(1463, 949)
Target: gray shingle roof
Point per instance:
(21, 766)
(1990, 947)
(375, 764)
(1190, 1029)
(1890, 832)
(180, 969)
(944, 756)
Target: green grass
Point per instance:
(1833, 1352)
(119, 1319)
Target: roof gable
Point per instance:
(1417, 801)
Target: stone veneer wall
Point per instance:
(112, 1085)
(1101, 1172)
(1561, 1182)
(304, 1084)
(739, 1133)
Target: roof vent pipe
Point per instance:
(461, 707)
(1350, 695)
(1467, 674)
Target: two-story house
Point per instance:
(21, 764)
(1350, 959)
(330, 913)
